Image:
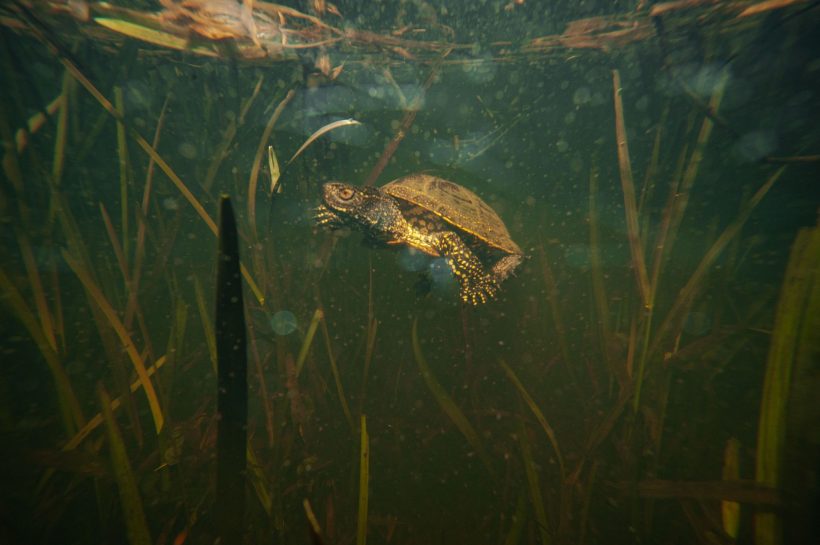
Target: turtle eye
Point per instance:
(346, 194)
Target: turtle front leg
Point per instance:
(477, 286)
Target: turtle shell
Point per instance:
(455, 204)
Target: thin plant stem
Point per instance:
(22, 136)
(115, 244)
(336, 377)
(596, 270)
(406, 123)
(553, 299)
(318, 315)
(628, 187)
(536, 498)
(539, 416)
(36, 284)
(70, 409)
(95, 421)
(119, 329)
(446, 402)
(129, 492)
(364, 482)
(60, 136)
(122, 154)
(257, 160)
(693, 166)
(207, 324)
(163, 165)
(132, 305)
(693, 285)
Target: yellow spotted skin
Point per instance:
(436, 217)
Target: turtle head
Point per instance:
(367, 208)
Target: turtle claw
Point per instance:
(480, 292)
(323, 216)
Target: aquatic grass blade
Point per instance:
(60, 138)
(313, 524)
(207, 326)
(550, 433)
(336, 377)
(132, 305)
(364, 482)
(690, 171)
(275, 171)
(232, 377)
(259, 481)
(369, 346)
(730, 510)
(319, 132)
(70, 409)
(36, 286)
(406, 122)
(799, 306)
(518, 519)
(553, 299)
(22, 136)
(111, 315)
(694, 284)
(628, 186)
(596, 270)
(95, 421)
(446, 403)
(122, 155)
(648, 187)
(133, 514)
(257, 160)
(148, 148)
(318, 315)
(536, 497)
(115, 244)
(153, 36)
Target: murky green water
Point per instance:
(593, 401)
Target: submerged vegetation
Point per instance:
(647, 376)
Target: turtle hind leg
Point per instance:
(477, 286)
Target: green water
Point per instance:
(640, 383)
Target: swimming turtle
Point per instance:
(435, 216)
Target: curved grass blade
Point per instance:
(313, 524)
(142, 142)
(257, 160)
(537, 413)
(695, 282)
(794, 342)
(322, 130)
(446, 403)
(133, 514)
(336, 377)
(518, 518)
(111, 315)
(536, 497)
(70, 409)
(97, 419)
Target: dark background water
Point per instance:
(527, 134)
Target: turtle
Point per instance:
(432, 215)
